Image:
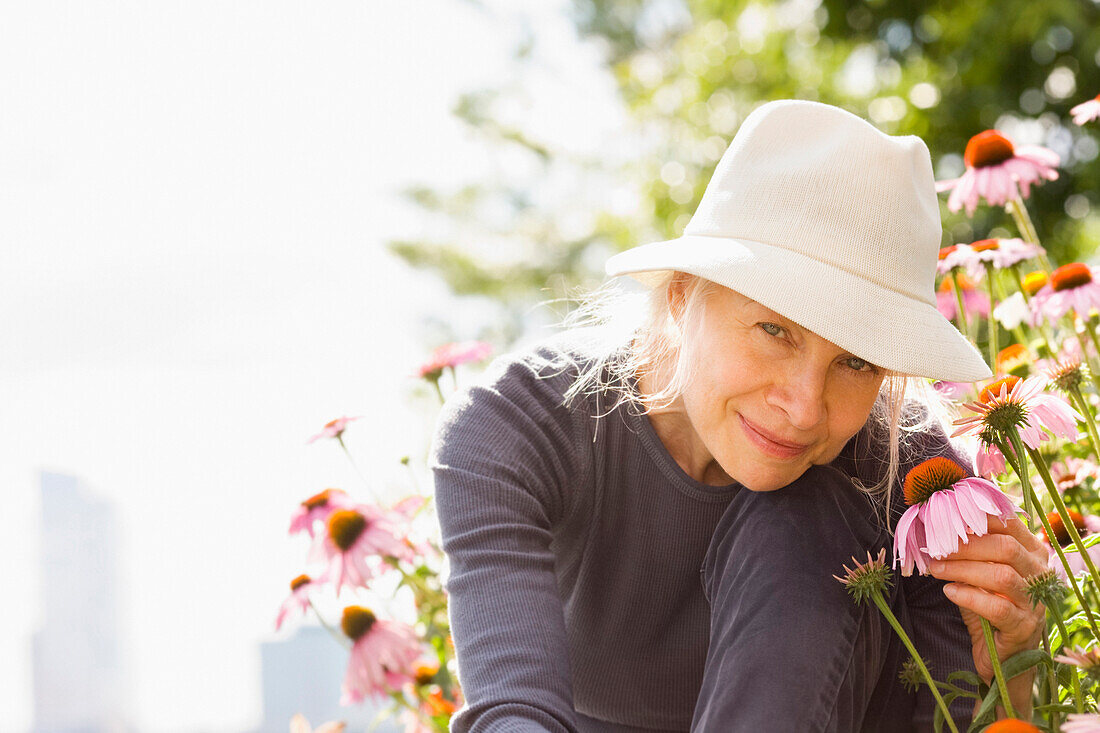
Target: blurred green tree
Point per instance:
(688, 72)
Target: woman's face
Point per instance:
(770, 398)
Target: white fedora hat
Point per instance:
(818, 215)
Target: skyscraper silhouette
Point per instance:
(77, 665)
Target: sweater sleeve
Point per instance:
(501, 460)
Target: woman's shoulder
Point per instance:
(525, 390)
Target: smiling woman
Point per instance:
(643, 515)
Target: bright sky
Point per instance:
(193, 201)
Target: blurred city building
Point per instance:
(302, 674)
(76, 653)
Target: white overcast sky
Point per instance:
(193, 201)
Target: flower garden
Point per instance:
(1031, 429)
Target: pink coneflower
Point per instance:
(1081, 722)
(1086, 111)
(998, 171)
(989, 460)
(1022, 404)
(950, 257)
(297, 602)
(1071, 473)
(316, 509)
(974, 300)
(334, 428)
(355, 542)
(382, 655)
(1087, 660)
(945, 506)
(1071, 287)
(1000, 253)
(951, 390)
(451, 355)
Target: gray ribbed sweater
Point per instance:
(575, 547)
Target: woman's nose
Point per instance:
(800, 393)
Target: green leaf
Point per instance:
(987, 711)
(970, 678)
(1025, 660)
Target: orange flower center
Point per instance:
(1011, 357)
(925, 479)
(993, 389)
(1012, 725)
(440, 705)
(1034, 281)
(988, 148)
(357, 621)
(944, 251)
(320, 499)
(299, 582)
(424, 673)
(965, 284)
(345, 526)
(1059, 527)
(1068, 277)
(983, 245)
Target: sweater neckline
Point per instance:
(664, 460)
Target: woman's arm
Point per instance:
(500, 461)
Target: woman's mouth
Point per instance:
(771, 444)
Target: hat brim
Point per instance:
(887, 328)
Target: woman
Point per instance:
(643, 514)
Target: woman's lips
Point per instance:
(771, 444)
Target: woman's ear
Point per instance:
(677, 296)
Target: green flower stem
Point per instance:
(1092, 334)
(1028, 491)
(1018, 332)
(1019, 465)
(963, 326)
(340, 638)
(1056, 614)
(355, 466)
(1060, 505)
(885, 609)
(438, 390)
(1024, 224)
(997, 672)
(1085, 359)
(1051, 694)
(1078, 400)
(993, 328)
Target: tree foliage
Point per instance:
(689, 72)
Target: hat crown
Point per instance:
(821, 182)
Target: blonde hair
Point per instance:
(631, 331)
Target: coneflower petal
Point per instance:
(976, 520)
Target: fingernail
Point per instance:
(949, 591)
(936, 566)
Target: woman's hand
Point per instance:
(989, 577)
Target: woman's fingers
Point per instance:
(1016, 626)
(1012, 545)
(991, 576)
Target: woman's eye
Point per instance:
(771, 329)
(857, 364)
